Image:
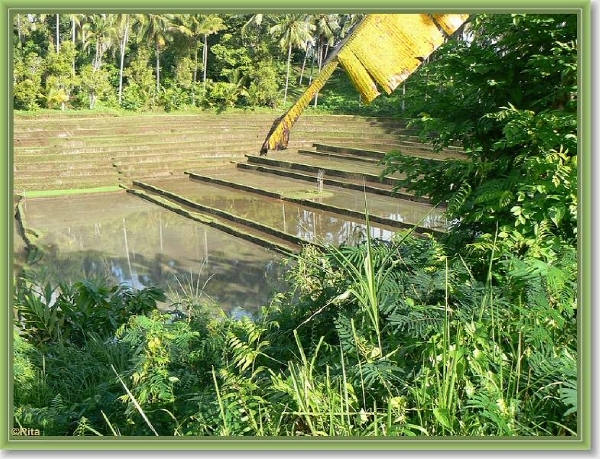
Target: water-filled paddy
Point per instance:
(131, 241)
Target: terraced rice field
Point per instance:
(207, 168)
(66, 151)
(332, 168)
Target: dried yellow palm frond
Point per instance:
(382, 50)
(277, 139)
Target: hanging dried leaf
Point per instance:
(382, 50)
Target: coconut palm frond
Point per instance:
(381, 51)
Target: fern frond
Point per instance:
(459, 198)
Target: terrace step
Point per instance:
(426, 151)
(347, 170)
(187, 208)
(343, 200)
(141, 146)
(308, 176)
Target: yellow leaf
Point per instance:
(384, 50)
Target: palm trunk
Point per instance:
(320, 64)
(157, 69)
(287, 75)
(195, 74)
(19, 30)
(122, 63)
(204, 63)
(57, 33)
(312, 67)
(321, 59)
(303, 66)
(73, 38)
(95, 61)
(403, 94)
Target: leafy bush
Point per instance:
(389, 338)
(263, 88)
(49, 315)
(508, 96)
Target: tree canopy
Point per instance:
(196, 60)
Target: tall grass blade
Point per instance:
(109, 424)
(135, 402)
(220, 400)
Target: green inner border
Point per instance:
(582, 442)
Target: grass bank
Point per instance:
(68, 192)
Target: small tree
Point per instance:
(263, 85)
(59, 78)
(140, 91)
(96, 84)
(27, 76)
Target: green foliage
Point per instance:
(156, 345)
(508, 96)
(27, 71)
(95, 84)
(192, 49)
(465, 356)
(437, 353)
(229, 56)
(174, 97)
(140, 92)
(263, 88)
(63, 314)
(25, 376)
(59, 77)
(339, 96)
(223, 95)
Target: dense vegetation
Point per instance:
(474, 334)
(508, 95)
(144, 62)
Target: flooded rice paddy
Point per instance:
(302, 222)
(130, 241)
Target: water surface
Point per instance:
(134, 242)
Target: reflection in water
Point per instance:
(132, 242)
(323, 227)
(311, 225)
(307, 223)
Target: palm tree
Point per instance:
(122, 31)
(155, 29)
(327, 26)
(189, 25)
(210, 24)
(294, 30)
(199, 27)
(310, 50)
(75, 22)
(256, 23)
(102, 33)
